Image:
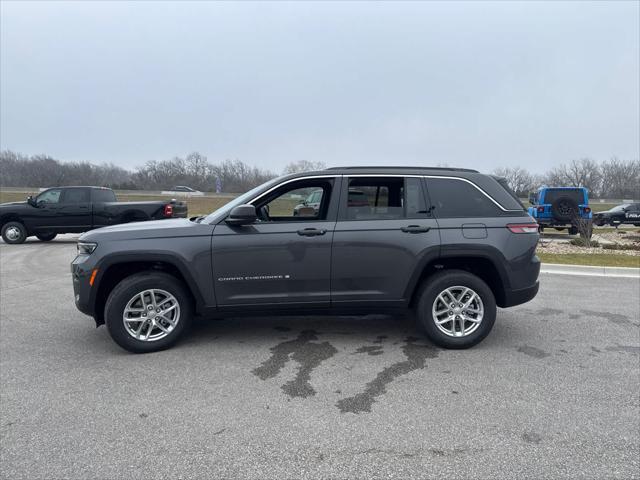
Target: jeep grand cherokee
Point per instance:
(448, 244)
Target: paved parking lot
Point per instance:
(552, 392)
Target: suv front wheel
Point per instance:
(148, 312)
(456, 309)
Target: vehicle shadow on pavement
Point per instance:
(308, 342)
(273, 329)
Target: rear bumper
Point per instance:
(523, 295)
(557, 223)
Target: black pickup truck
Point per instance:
(77, 209)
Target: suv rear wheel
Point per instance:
(456, 309)
(148, 312)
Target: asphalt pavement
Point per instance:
(552, 392)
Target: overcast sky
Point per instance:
(474, 84)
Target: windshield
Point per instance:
(619, 208)
(576, 194)
(242, 199)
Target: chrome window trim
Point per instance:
(446, 177)
(383, 175)
(275, 187)
(476, 186)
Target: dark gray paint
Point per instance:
(264, 267)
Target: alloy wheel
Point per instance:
(151, 315)
(458, 311)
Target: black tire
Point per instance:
(564, 209)
(126, 290)
(436, 284)
(573, 230)
(46, 236)
(14, 233)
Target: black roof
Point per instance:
(404, 169)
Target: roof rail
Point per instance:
(375, 167)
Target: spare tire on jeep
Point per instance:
(564, 209)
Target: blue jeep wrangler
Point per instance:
(562, 208)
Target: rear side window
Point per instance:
(453, 198)
(383, 198)
(103, 195)
(75, 195)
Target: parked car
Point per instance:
(75, 210)
(627, 213)
(183, 191)
(562, 208)
(447, 244)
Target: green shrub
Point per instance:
(617, 246)
(583, 242)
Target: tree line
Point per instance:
(613, 178)
(194, 170)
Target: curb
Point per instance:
(623, 272)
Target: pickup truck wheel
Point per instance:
(46, 237)
(573, 230)
(456, 309)
(14, 233)
(148, 312)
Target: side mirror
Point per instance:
(31, 201)
(242, 215)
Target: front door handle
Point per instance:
(415, 229)
(311, 232)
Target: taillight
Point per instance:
(540, 209)
(587, 209)
(168, 210)
(523, 227)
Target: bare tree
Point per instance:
(620, 179)
(577, 173)
(519, 179)
(304, 166)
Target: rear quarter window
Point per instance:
(103, 195)
(452, 198)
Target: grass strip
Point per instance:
(594, 259)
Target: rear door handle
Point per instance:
(415, 229)
(311, 232)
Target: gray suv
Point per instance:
(448, 244)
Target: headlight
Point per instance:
(86, 248)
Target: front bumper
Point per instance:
(81, 270)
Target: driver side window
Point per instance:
(298, 201)
(50, 196)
